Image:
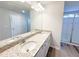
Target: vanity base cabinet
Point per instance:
(44, 48)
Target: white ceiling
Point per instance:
(19, 6)
(15, 5)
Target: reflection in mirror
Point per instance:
(14, 19)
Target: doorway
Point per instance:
(18, 25)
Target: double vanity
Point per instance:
(31, 44)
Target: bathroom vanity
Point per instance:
(44, 48)
(35, 46)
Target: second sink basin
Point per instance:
(27, 47)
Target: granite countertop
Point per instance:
(16, 38)
(38, 38)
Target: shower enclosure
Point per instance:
(70, 28)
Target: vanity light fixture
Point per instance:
(22, 0)
(37, 7)
(28, 1)
(23, 11)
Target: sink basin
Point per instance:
(27, 47)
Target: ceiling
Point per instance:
(18, 6)
(15, 5)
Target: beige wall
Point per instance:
(50, 19)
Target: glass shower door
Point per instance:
(75, 36)
(67, 28)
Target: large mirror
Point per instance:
(14, 19)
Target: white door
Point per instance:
(16, 24)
